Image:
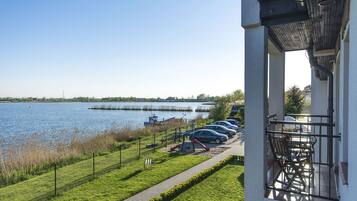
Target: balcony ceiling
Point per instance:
(303, 24)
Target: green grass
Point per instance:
(224, 185)
(79, 173)
(123, 183)
(35, 168)
(71, 175)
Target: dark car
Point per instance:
(221, 129)
(227, 125)
(234, 122)
(207, 135)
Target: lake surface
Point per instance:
(21, 120)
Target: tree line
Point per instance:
(296, 101)
(199, 98)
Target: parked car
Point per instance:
(227, 125)
(207, 135)
(222, 130)
(294, 127)
(234, 122)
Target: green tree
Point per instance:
(221, 108)
(294, 100)
(307, 89)
(201, 97)
(237, 95)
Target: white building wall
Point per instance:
(349, 192)
(343, 112)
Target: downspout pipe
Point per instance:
(314, 64)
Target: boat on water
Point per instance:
(154, 120)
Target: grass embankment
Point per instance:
(76, 174)
(126, 182)
(226, 184)
(42, 187)
(35, 156)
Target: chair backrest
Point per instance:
(279, 146)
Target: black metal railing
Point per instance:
(300, 158)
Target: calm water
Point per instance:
(20, 120)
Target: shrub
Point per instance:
(180, 188)
(221, 109)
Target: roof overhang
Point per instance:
(324, 53)
(282, 11)
(305, 24)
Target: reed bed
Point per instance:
(36, 156)
(203, 109)
(144, 108)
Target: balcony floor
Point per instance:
(321, 187)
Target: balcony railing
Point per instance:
(300, 163)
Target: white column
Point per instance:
(343, 99)
(255, 101)
(343, 109)
(319, 95)
(276, 81)
(319, 99)
(255, 112)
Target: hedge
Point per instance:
(180, 188)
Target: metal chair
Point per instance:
(291, 164)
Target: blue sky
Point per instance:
(145, 48)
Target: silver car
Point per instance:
(227, 125)
(222, 129)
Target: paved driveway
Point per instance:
(235, 148)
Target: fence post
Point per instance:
(166, 137)
(154, 142)
(178, 134)
(120, 147)
(93, 165)
(175, 135)
(55, 179)
(139, 148)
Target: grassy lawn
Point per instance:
(123, 183)
(225, 184)
(79, 173)
(71, 175)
